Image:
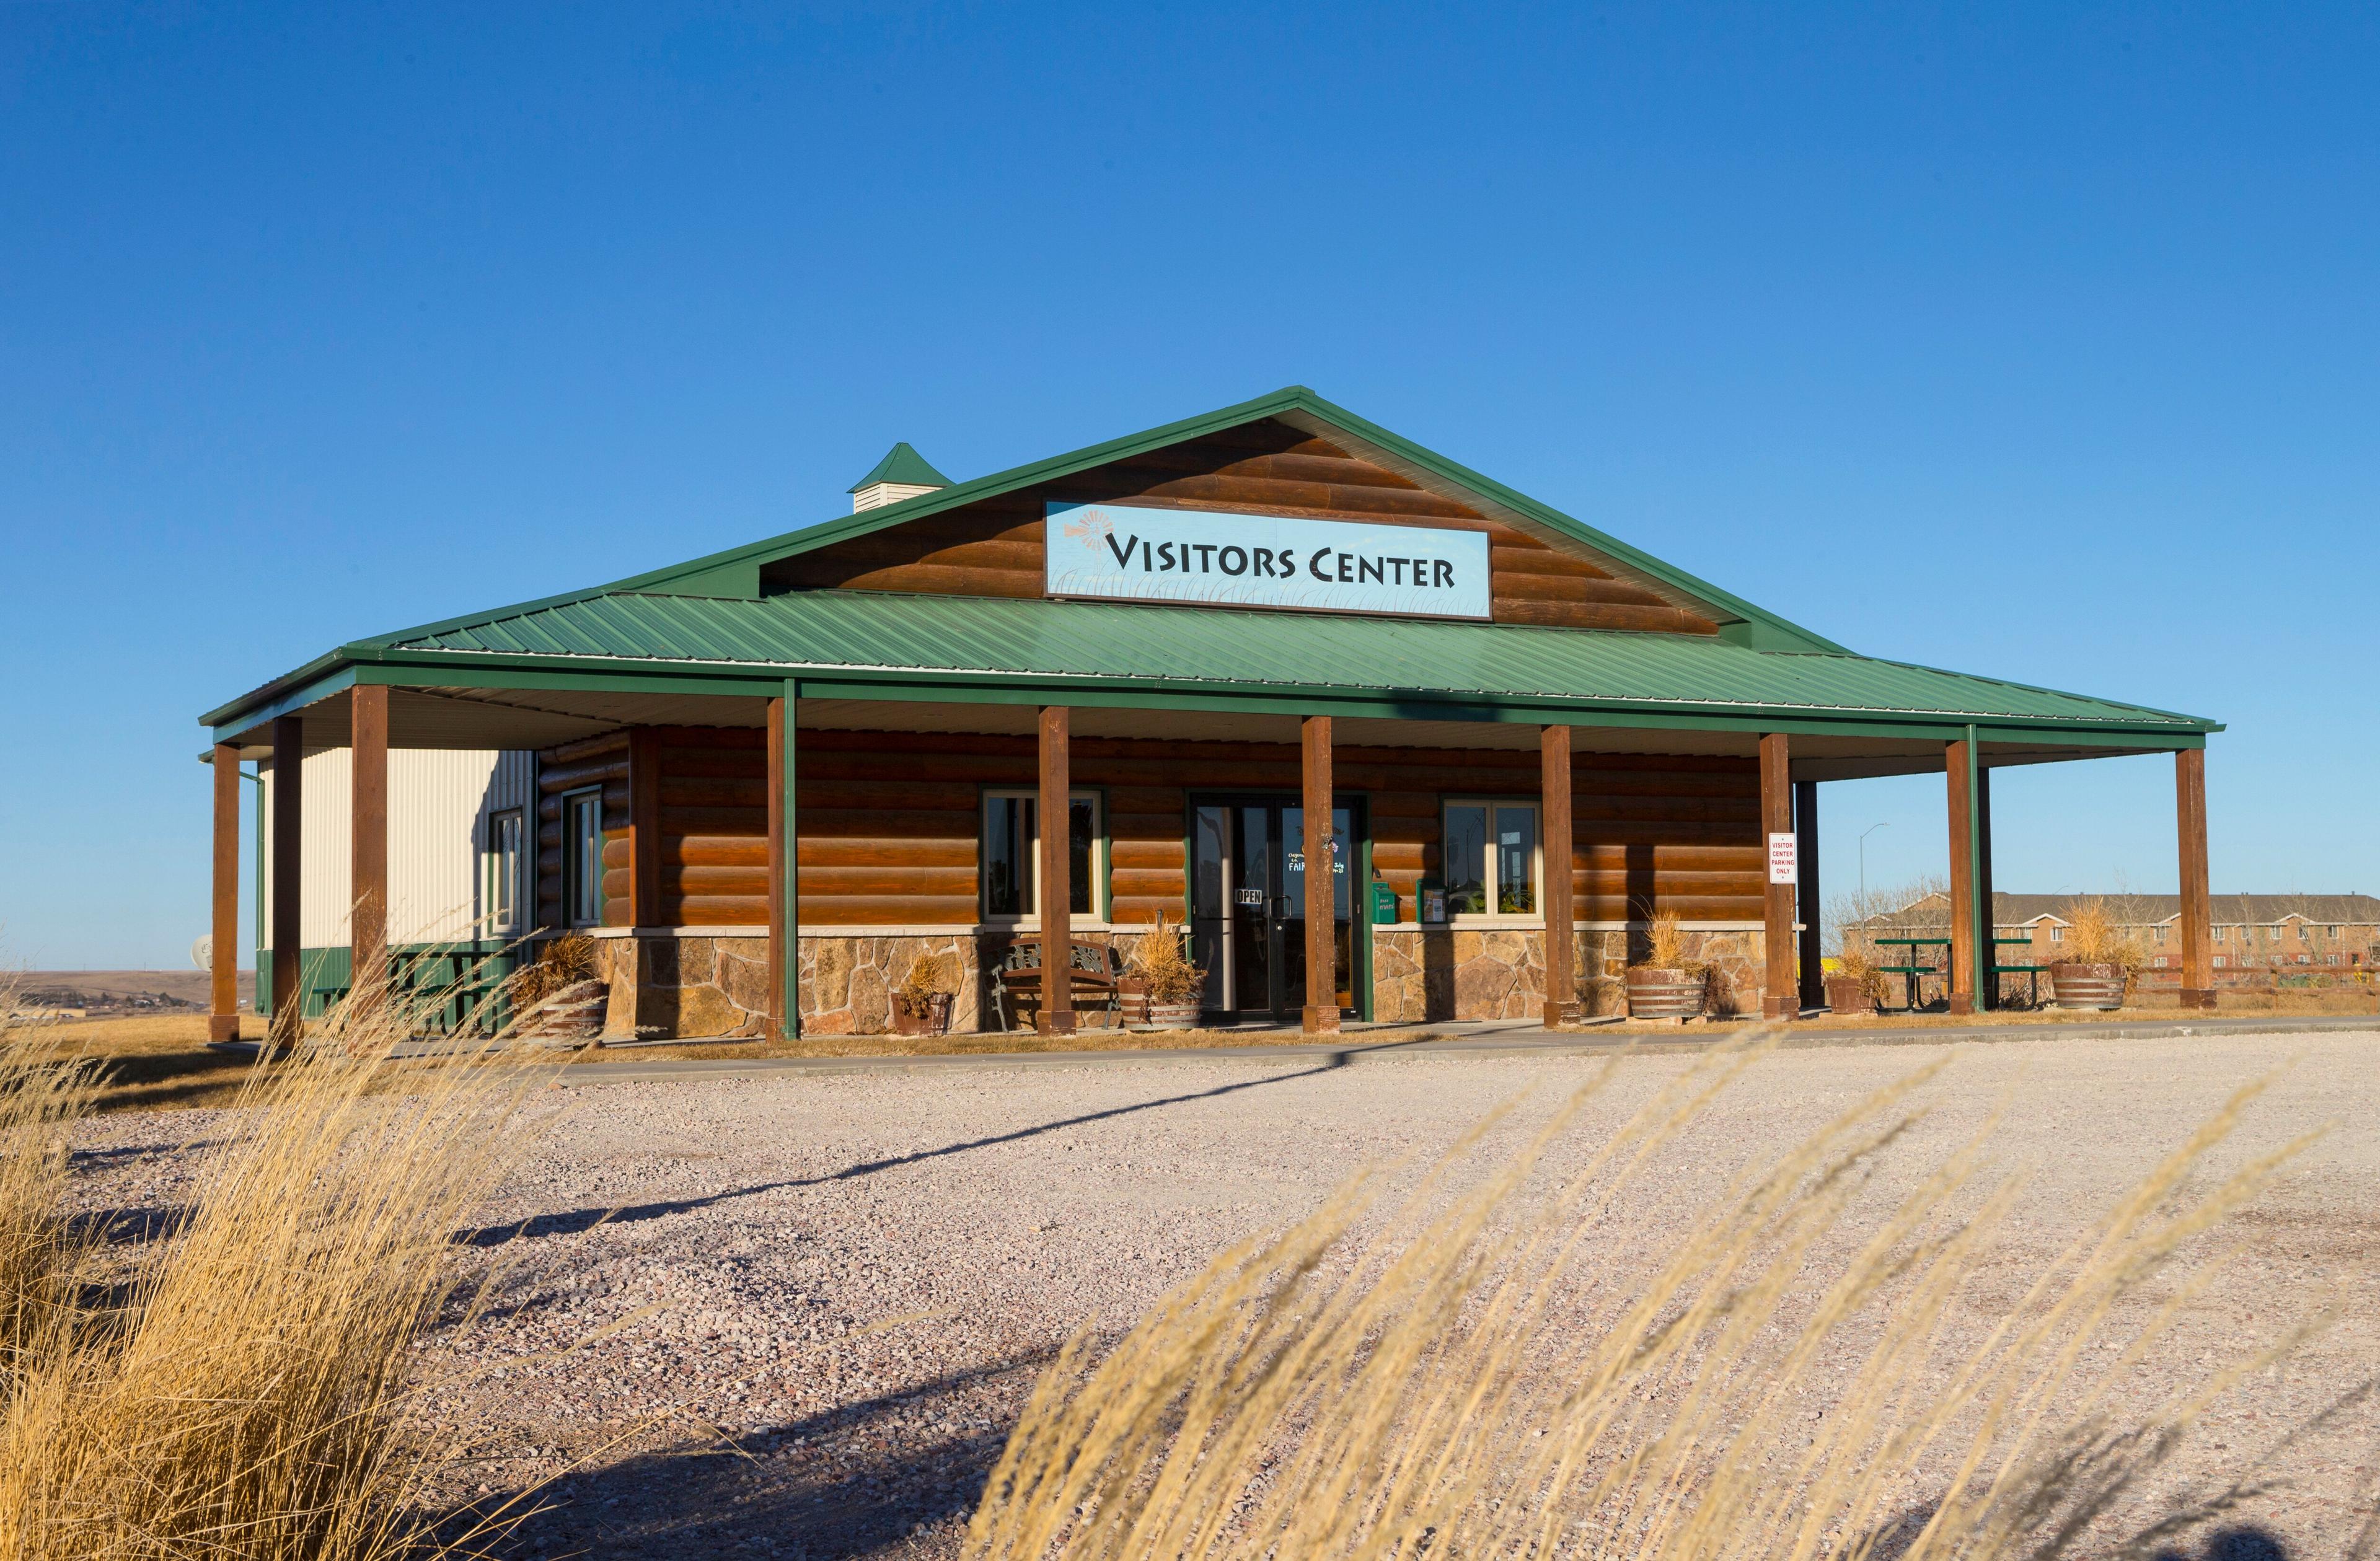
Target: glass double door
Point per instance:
(1247, 904)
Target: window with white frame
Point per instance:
(1011, 855)
(2219, 933)
(1489, 859)
(582, 857)
(2058, 935)
(506, 860)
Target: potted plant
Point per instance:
(1855, 984)
(1665, 984)
(2097, 960)
(1174, 984)
(921, 1004)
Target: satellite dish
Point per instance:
(202, 952)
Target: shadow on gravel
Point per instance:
(843, 1483)
(575, 1221)
(2249, 1542)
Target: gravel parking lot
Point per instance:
(841, 1287)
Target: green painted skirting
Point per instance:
(464, 972)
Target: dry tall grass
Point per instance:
(236, 1386)
(1506, 1377)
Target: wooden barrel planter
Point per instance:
(1664, 994)
(2087, 985)
(930, 1018)
(1849, 994)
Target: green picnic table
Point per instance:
(1914, 968)
(2032, 974)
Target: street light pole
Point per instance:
(1864, 835)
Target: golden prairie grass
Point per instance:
(235, 1386)
(1505, 1374)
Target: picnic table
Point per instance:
(2031, 973)
(1913, 968)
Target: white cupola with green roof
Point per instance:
(901, 474)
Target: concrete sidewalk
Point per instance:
(1513, 1038)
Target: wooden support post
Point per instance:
(368, 845)
(1056, 812)
(1959, 767)
(1988, 985)
(644, 827)
(2197, 914)
(223, 986)
(1553, 788)
(1809, 906)
(785, 868)
(1779, 996)
(1321, 1012)
(289, 833)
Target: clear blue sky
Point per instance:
(2032, 341)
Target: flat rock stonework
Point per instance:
(1421, 976)
(1457, 974)
(847, 983)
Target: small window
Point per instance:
(504, 905)
(1012, 854)
(2160, 935)
(1491, 862)
(2219, 935)
(582, 858)
(2058, 935)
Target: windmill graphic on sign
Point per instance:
(1091, 530)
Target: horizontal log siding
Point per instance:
(888, 822)
(574, 767)
(994, 547)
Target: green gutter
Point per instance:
(595, 675)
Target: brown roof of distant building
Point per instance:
(2138, 910)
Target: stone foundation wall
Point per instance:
(1420, 976)
(847, 983)
(694, 987)
(685, 987)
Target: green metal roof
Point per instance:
(736, 573)
(1203, 647)
(902, 463)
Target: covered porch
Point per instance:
(797, 795)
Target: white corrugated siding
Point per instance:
(439, 801)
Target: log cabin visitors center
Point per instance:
(767, 781)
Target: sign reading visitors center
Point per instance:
(1784, 859)
(1130, 552)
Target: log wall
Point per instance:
(994, 547)
(888, 821)
(574, 766)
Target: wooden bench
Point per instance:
(1094, 981)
